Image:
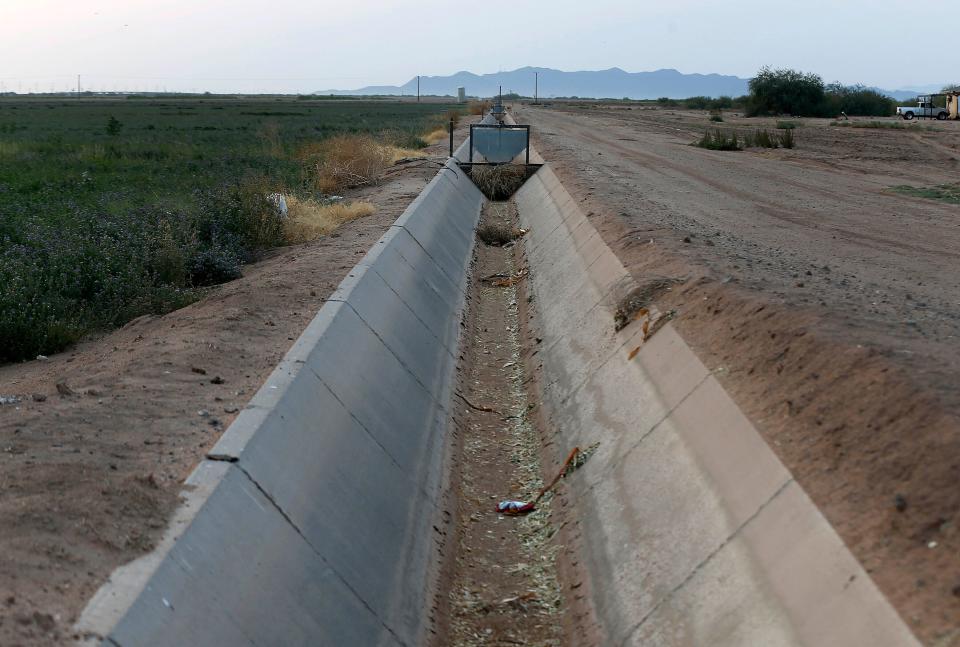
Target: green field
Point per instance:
(115, 207)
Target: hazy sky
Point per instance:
(303, 46)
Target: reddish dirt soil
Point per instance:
(89, 477)
(829, 307)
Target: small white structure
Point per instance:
(280, 202)
(461, 95)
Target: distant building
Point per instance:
(461, 95)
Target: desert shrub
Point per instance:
(787, 125)
(719, 141)
(349, 161)
(783, 91)
(697, 103)
(761, 138)
(774, 92)
(857, 100)
(787, 139)
(716, 116)
(343, 161)
(454, 115)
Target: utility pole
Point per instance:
(78, 85)
(418, 88)
(536, 82)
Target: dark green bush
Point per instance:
(857, 100)
(214, 264)
(774, 92)
(790, 92)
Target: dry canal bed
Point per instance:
(502, 581)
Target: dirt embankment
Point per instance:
(90, 470)
(829, 308)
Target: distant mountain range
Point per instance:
(612, 83)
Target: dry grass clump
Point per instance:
(498, 182)
(436, 136)
(478, 107)
(498, 234)
(310, 219)
(348, 161)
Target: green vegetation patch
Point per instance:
(791, 92)
(949, 193)
(719, 140)
(112, 208)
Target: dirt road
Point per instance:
(828, 305)
(812, 225)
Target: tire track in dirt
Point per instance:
(804, 218)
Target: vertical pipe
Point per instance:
(528, 145)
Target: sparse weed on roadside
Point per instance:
(787, 139)
(949, 193)
(734, 141)
(893, 125)
(719, 141)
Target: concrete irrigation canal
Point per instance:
(355, 500)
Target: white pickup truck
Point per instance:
(924, 108)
